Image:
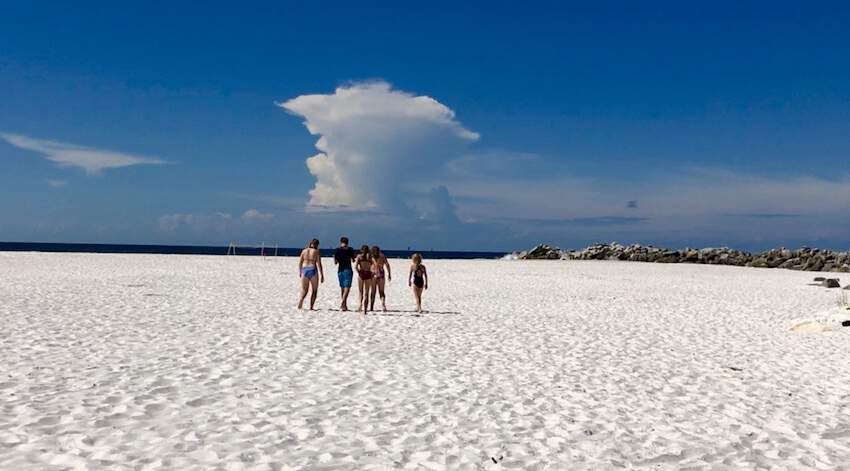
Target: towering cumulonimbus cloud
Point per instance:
(373, 141)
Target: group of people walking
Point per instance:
(373, 272)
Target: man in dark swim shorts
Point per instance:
(343, 256)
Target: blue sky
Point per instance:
(714, 124)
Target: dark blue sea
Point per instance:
(219, 250)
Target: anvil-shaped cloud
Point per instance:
(373, 141)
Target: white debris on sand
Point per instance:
(196, 362)
(824, 321)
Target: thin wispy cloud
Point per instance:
(496, 162)
(581, 221)
(199, 223)
(764, 215)
(215, 223)
(56, 183)
(254, 215)
(288, 203)
(91, 160)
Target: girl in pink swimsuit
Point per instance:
(365, 282)
(379, 262)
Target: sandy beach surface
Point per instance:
(199, 362)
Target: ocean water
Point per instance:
(221, 250)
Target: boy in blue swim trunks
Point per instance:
(343, 256)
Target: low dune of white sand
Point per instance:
(193, 362)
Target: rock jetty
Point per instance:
(807, 259)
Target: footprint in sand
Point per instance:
(47, 421)
(164, 390)
(155, 408)
(113, 400)
(197, 402)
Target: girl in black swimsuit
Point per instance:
(417, 277)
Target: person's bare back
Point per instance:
(310, 256)
(310, 271)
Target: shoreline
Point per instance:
(269, 250)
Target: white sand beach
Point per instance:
(199, 362)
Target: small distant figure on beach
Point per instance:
(343, 256)
(365, 282)
(417, 277)
(379, 262)
(311, 272)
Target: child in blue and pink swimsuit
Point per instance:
(311, 273)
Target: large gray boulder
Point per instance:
(831, 283)
(542, 252)
(760, 262)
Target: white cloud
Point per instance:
(70, 155)
(271, 200)
(212, 223)
(498, 163)
(199, 223)
(711, 191)
(56, 183)
(252, 215)
(692, 205)
(372, 140)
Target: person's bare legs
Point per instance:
(382, 283)
(417, 293)
(364, 295)
(314, 283)
(341, 299)
(367, 294)
(305, 283)
(344, 294)
(373, 293)
(360, 288)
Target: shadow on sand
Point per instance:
(396, 312)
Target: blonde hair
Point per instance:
(417, 259)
